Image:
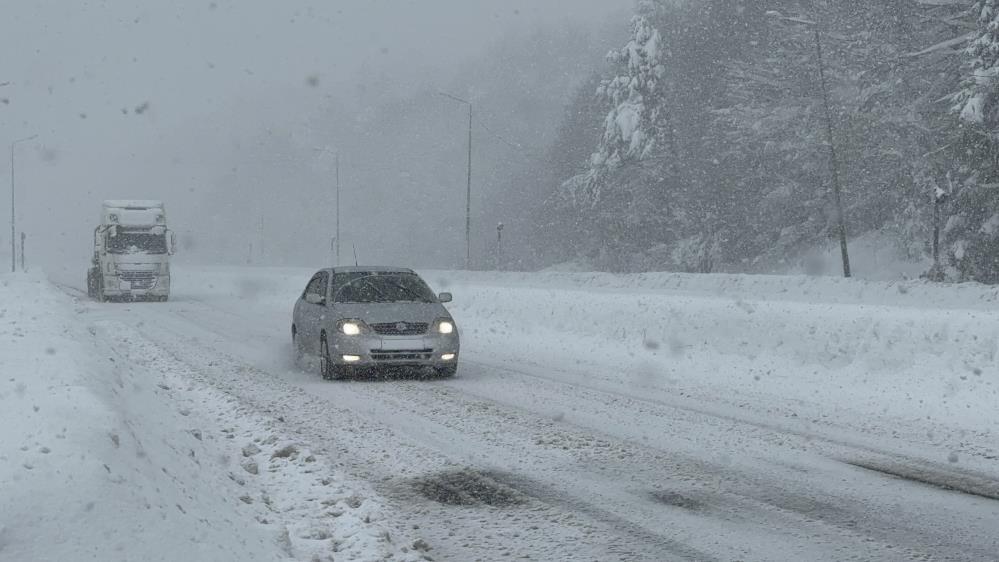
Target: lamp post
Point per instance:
(468, 193)
(13, 242)
(336, 239)
(499, 245)
(833, 158)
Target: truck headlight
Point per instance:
(445, 326)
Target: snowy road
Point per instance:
(553, 456)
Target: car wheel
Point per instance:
(327, 368)
(447, 371)
(296, 348)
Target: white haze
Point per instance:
(215, 107)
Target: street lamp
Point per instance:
(13, 244)
(468, 193)
(336, 245)
(833, 160)
(499, 245)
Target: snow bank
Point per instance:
(112, 452)
(797, 288)
(94, 465)
(821, 346)
(912, 350)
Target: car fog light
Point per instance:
(351, 358)
(447, 357)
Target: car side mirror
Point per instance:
(313, 298)
(171, 243)
(446, 297)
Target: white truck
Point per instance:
(132, 249)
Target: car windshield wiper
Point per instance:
(416, 296)
(350, 283)
(374, 288)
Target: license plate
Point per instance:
(401, 345)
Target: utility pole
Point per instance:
(468, 197)
(335, 246)
(23, 236)
(833, 158)
(337, 208)
(499, 246)
(261, 233)
(13, 230)
(468, 192)
(939, 198)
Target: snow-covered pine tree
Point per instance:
(976, 100)
(637, 123)
(972, 225)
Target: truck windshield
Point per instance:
(137, 243)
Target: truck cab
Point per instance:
(132, 249)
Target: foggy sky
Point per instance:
(151, 99)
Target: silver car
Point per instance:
(357, 318)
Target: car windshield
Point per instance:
(375, 287)
(137, 243)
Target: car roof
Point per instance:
(371, 269)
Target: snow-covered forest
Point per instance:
(703, 145)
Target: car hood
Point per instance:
(379, 313)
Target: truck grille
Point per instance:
(400, 328)
(408, 355)
(139, 279)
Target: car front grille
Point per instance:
(408, 355)
(401, 328)
(139, 279)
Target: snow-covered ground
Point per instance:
(113, 451)
(594, 417)
(808, 347)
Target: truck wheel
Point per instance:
(92, 283)
(447, 371)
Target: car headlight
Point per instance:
(351, 327)
(445, 326)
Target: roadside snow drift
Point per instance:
(907, 350)
(94, 465)
(109, 452)
(811, 346)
